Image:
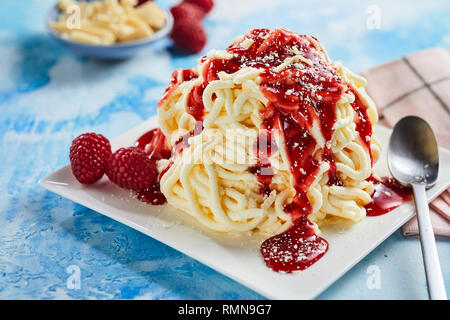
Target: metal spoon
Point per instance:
(413, 160)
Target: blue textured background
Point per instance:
(48, 96)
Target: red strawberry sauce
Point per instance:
(388, 195)
(154, 143)
(299, 96)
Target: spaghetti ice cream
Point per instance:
(271, 130)
(267, 137)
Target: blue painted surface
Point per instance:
(48, 96)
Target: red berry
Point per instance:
(131, 168)
(206, 5)
(89, 154)
(186, 10)
(189, 35)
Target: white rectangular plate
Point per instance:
(236, 258)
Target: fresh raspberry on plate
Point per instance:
(89, 154)
(189, 35)
(131, 168)
(186, 10)
(206, 5)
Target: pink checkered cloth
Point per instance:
(418, 84)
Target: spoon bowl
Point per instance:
(413, 155)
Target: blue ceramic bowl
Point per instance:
(116, 51)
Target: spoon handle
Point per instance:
(436, 288)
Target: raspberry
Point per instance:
(189, 34)
(89, 154)
(186, 10)
(206, 5)
(131, 168)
